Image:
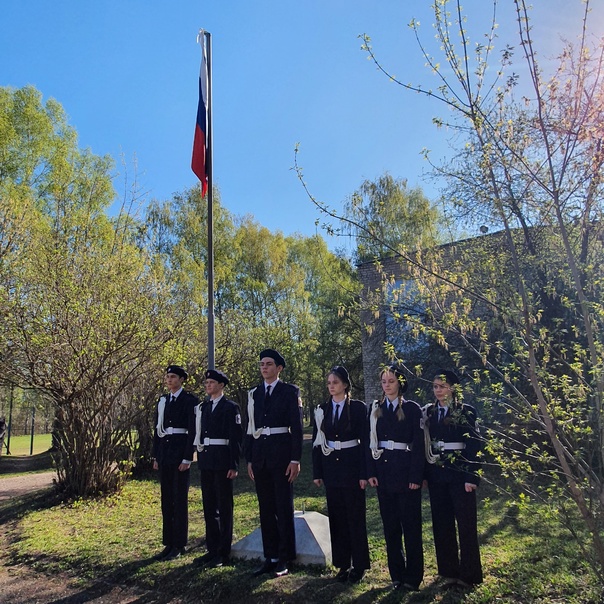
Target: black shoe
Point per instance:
(203, 560)
(175, 552)
(355, 576)
(281, 569)
(342, 575)
(164, 553)
(267, 567)
(216, 562)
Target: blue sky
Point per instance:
(284, 73)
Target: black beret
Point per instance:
(178, 370)
(448, 376)
(342, 373)
(400, 376)
(218, 376)
(273, 354)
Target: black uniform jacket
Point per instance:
(459, 426)
(283, 411)
(343, 468)
(224, 422)
(395, 469)
(173, 448)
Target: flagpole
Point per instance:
(201, 164)
(211, 328)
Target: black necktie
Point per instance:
(441, 415)
(172, 398)
(267, 394)
(391, 406)
(336, 414)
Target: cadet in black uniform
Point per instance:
(396, 467)
(273, 448)
(338, 455)
(452, 450)
(218, 440)
(173, 455)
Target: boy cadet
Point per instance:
(172, 456)
(273, 448)
(218, 440)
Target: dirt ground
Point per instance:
(24, 484)
(20, 584)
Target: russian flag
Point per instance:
(199, 161)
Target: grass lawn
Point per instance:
(527, 557)
(20, 445)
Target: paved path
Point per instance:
(15, 486)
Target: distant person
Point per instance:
(172, 456)
(395, 465)
(2, 433)
(452, 450)
(338, 455)
(273, 449)
(218, 439)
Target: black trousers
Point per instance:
(174, 504)
(276, 504)
(450, 503)
(402, 519)
(348, 527)
(217, 499)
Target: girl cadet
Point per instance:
(396, 467)
(339, 441)
(452, 447)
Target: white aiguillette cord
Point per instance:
(251, 424)
(320, 440)
(160, 417)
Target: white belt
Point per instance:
(215, 441)
(391, 444)
(171, 430)
(440, 445)
(269, 431)
(342, 444)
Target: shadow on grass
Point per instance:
(17, 507)
(18, 464)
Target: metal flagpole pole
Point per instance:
(209, 160)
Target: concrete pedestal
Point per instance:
(313, 544)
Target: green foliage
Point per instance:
(270, 291)
(386, 216)
(83, 309)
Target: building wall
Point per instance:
(373, 321)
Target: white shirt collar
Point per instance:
(272, 385)
(175, 394)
